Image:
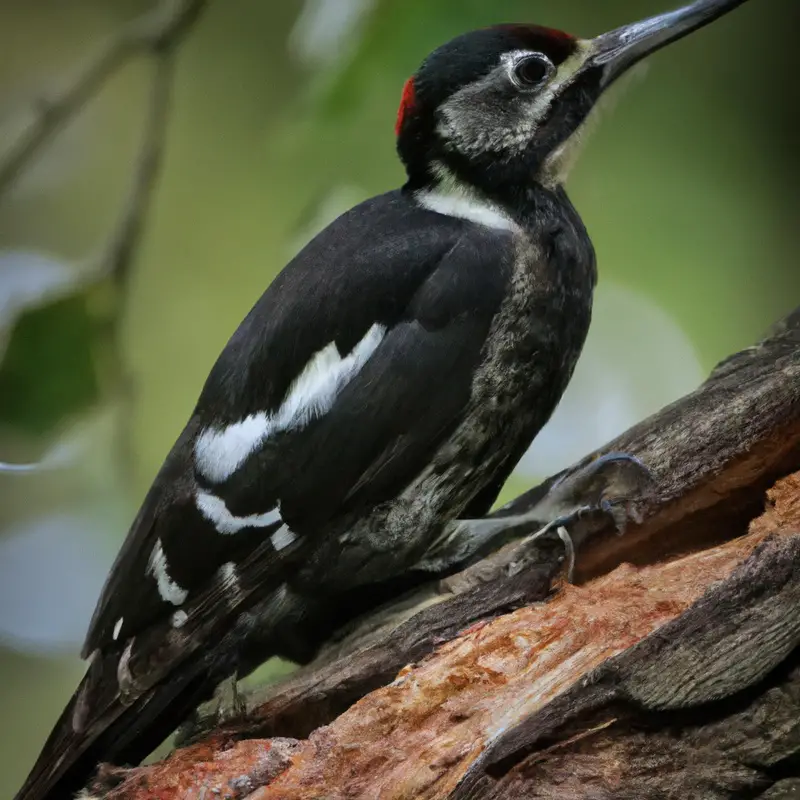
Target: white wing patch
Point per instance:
(170, 591)
(228, 577)
(220, 452)
(179, 618)
(216, 512)
(282, 537)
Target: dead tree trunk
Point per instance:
(671, 669)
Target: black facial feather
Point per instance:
(464, 60)
(432, 300)
(469, 57)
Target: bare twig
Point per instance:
(157, 31)
(114, 259)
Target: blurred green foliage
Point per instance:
(689, 190)
(48, 371)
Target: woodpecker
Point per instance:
(373, 401)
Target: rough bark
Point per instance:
(671, 670)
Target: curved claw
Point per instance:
(569, 548)
(563, 534)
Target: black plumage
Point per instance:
(382, 388)
(383, 425)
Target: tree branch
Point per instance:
(713, 453)
(115, 258)
(673, 662)
(158, 31)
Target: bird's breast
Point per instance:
(538, 333)
(528, 358)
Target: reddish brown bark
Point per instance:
(420, 736)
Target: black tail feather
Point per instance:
(111, 731)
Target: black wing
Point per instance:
(329, 398)
(404, 297)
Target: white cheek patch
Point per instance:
(117, 629)
(216, 512)
(471, 127)
(168, 589)
(220, 452)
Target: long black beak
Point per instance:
(617, 51)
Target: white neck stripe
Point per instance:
(466, 206)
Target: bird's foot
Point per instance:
(613, 485)
(229, 702)
(563, 534)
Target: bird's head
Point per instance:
(505, 106)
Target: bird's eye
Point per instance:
(532, 71)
